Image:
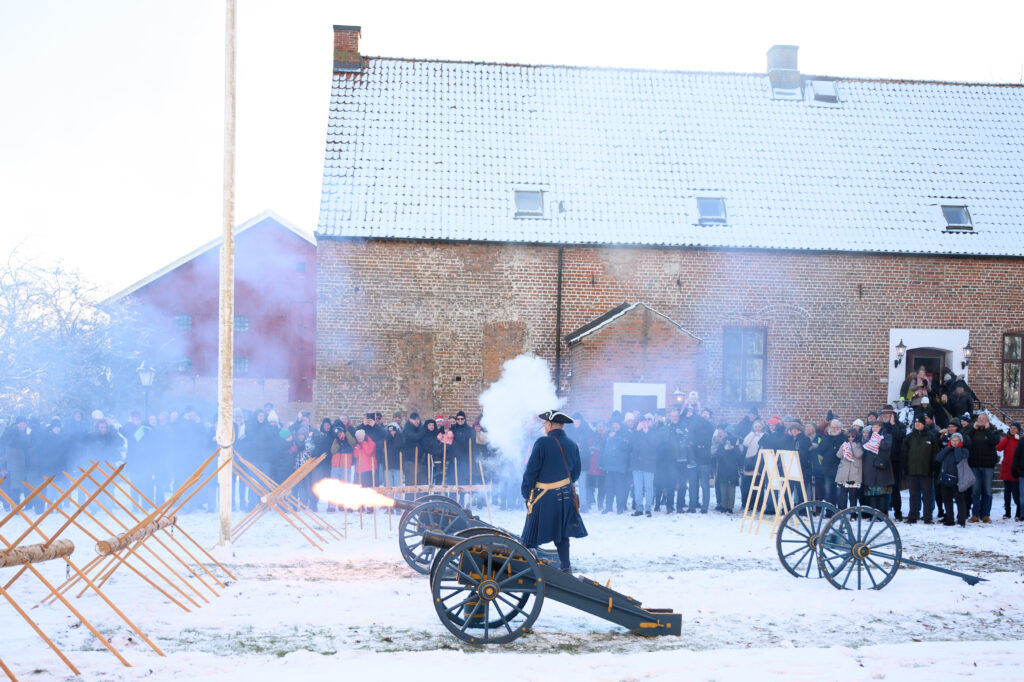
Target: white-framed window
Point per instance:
(711, 210)
(957, 217)
(241, 365)
(241, 323)
(529, 203)
(183, 323)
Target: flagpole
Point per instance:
(225, 398)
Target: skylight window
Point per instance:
(957, 218)
(529, 204)
(825, 91)
(711, 209)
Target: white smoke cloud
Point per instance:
(511, 405)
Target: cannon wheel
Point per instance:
(433, 515)
(471, 532)
(861, 542)
(473, 579)
(436, 499)
(797, 539)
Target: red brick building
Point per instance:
(275, 319)
(764, 238)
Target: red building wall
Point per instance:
(389, 310)
(275, 288)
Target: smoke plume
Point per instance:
(511, 404)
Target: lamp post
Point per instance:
(146, 376)
(678, 395)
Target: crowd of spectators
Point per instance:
(931, 444)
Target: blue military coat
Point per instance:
(554, 516)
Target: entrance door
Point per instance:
(640, 404)
(932, 359)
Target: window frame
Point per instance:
(237, 326)
(743, 356)
(240, 360)
(1002, 372)
(538, 214)
(720, 219)
(951, 227)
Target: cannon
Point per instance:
(442, 514)
(487, 588)
(856, 548)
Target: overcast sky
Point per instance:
(111, 111)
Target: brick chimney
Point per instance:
(782, 68)
(346, 49)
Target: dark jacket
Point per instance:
(554, 516)
(728, 458)
(960, 403)
(615, 458)
(948, 457)
(983, 447)
(429, 444)
(827, 452)
(873, 476)
(919, 449)
(643, 455)
(701, 431)
(412, 439)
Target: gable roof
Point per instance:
(434, 150)
(170, 267)
(615, 313)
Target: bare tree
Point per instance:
(58, 347)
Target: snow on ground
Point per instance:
(357, 609)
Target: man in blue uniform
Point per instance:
(552, 514)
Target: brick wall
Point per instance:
(827, 317)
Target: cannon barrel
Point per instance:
(405, 505)
(431, 538)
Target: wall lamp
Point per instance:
(901, 348)
(968, 352)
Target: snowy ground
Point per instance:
(357, 609)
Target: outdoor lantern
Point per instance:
(678, 395)
(968, 351)
(901, 348)
(146, 374)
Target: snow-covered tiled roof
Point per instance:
(436, 150)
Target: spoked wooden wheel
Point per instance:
(797, 539)
(434, 515)
(487, 589)
(859, 549)
(470, 532)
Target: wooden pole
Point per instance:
(387, 476)
(416, 466)
(471, 473)
(487, 494)
(226, 313)
(444, 463)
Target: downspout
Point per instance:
(558, 327)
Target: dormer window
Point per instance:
(957, 218)
(529, 203)
(711, 210)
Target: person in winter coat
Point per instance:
(1011, 480)
(615, 463)
(390, 456)
(959, 401)
(14, 446)
(895, 430)
(433, 451)
(750, 447)
(458, 452)
(919, 450)
(643, 460)
(983, 462)
(850, 472)
(414, 460)
(830, 444)
(727, 460)
(813, 474)
(877, 469)
(948, 458)
(552, 469)
(365, 454)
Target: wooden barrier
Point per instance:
(278, 498)
(775, 474)
(55, 548)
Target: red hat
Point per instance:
(775, 420)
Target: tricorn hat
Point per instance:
(555, 416)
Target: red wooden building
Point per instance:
(275, 320)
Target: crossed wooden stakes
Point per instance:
(775, 474)
(16, 553)
(279, 498)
